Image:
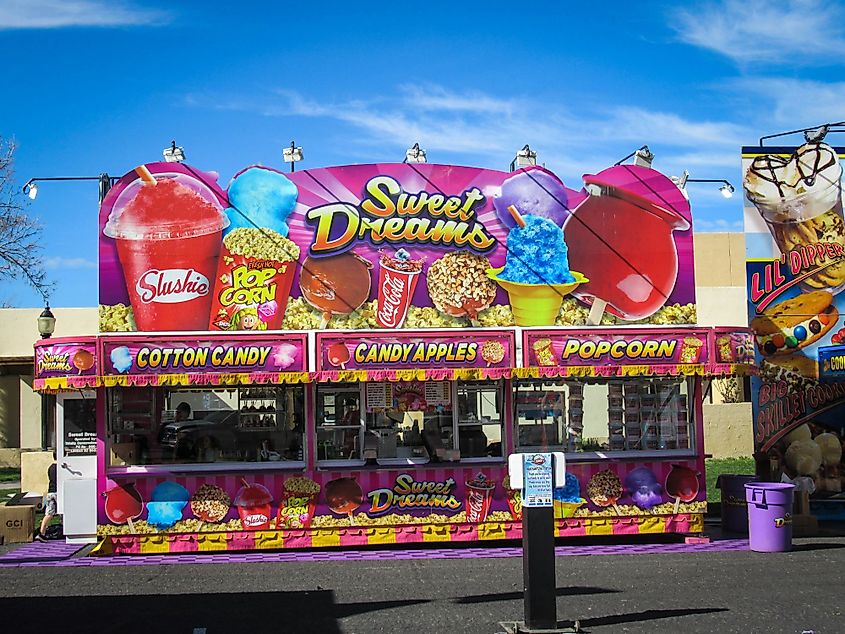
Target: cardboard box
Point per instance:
(17, 524)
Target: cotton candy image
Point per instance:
(121, 359)
(265, 196)
(166, 504)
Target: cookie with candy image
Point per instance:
(795, 323)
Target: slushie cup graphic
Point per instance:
(479, 498)
(800, 198)
(536, 274)
(168, 231)
(398, 277)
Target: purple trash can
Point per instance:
(734, 506)
(769, 516)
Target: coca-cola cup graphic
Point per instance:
(479, 498)
(168, 231)
(397, 280)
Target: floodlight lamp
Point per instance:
(415, 154)
(174, 153)
(526, 157)
(292, 154)
(31, 190)
(681, 181)
(816, 135)
(727, 190)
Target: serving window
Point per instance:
(604, 415)
(411, 422)
(152, 425)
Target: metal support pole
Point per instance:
(538, 567)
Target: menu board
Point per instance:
(379, 395)
(438, 393)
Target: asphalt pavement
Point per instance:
(730, 591)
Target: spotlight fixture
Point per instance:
(642, 157)
(174, 153)
(31, 190)
(727, 190)
(524, 158)
(815, 134)
(415, 154)
(292, 155)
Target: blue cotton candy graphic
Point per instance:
(537, 254)
(569, 492)
(166, 504)
(265, 196)
(121, 359)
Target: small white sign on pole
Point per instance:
(536, 475)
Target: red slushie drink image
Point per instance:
(479, 498)
(398, 277)
(168, 231)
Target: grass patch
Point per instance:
(718, 466)
(9, 474)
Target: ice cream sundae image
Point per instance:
(344, 496)
(536, 274)
(800, 198)
(567, 499)
(335, 285)
(643, 487)
(458, 286)
(166, 504)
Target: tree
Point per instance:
(20, 234)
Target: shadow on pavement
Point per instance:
(510, 596)
(647, 615)
(305, 612)
(811, 546)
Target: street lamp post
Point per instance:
(30, 188)
(46, 328)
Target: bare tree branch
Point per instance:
(20, 234)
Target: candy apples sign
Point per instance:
(391, 246)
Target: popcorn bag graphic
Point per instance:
(254, 278)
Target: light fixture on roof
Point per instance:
(815, 134)
(415, 154)
(292, 155)
(524, 158)
(727, 190)
(642, 157)
(174, 153)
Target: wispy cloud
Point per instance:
(55, 14)
(54, 263)
(794, 103)
(482, 127)
(761, 31)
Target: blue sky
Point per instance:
(103, 85)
